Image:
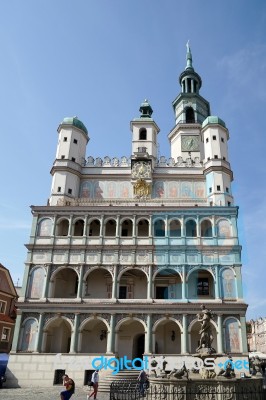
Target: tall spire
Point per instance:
(189, 57)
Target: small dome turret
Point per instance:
(145, 109)
(213, 120)
(75, 122)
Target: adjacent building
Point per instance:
(129, 247)
(256, 335)
(8, 297)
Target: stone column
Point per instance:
(217, 282)
(101, 225)
(148, 336)
(74, 336)
(111, 335)
(184, 339)
(16, 332)
(47, 281)
(85, 225)
(220, 346)
(80, 283)
(149, 286)
(70, 226)
(244, 335)
(114, 287)
(192, 85)
(25, 281)
(134, 227)
(117, 232)
(184, 283)
(38, 343)
(150, 226)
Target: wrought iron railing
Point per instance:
(130, 390)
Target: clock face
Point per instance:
(190, 143)
(141, 169)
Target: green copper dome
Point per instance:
(75, 122)
(213, 120)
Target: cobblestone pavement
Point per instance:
(45, 394)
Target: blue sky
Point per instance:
(98, 59)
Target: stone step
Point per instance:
(104, 385)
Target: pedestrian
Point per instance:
(95, 381)
(142, 378)
(70, 388)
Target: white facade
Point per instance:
(128, 249)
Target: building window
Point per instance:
(203, 287)
(65, 139)
(214, 137)
(222, 139)
(190, 116)
(5, 334)
(207, 140)
(143, 134)
(161, 292)
(218, 188)
(227, 190)
(210, 189)
(73, 159)
(208, 158)
(229, 203)
(122, 292)
(59, 189)
(69, 191)
(75, 141)
(62, 157)
(215, 156)
(224, 158)
(2, 307)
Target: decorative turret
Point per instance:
(144, 135)
(70, 157)
(217, 170)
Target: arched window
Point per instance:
(206, 228)
(143, 228)
(94, 228)
(62, 228)
(143, 134)
(79, 228)
(110, 228)
(190, 117)
(175, 228)
(191, 228)
(126, 228)
(159, 228)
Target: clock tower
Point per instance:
(190, 111)
(144, 150)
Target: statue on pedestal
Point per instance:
(206, 336)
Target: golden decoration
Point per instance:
(142, 188)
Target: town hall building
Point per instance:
(128, 248)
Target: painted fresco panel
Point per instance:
(29, 335)
(228, 284)
(106, 189)
(96, 189)
(232, 336)
(45, 227)
(35, 289)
